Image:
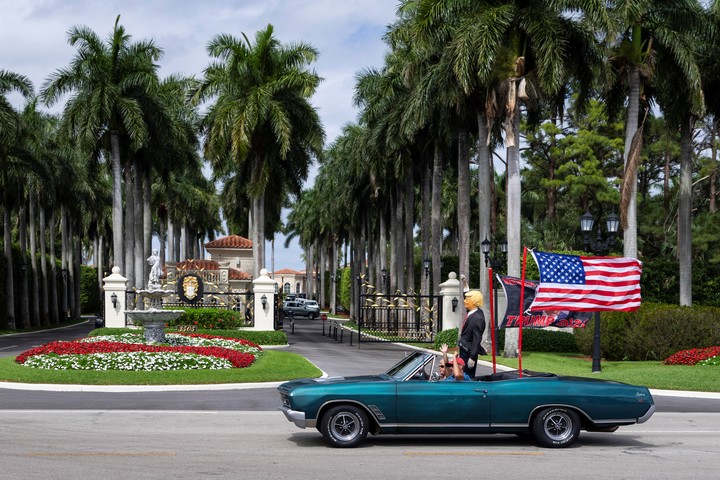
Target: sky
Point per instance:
(347, 34)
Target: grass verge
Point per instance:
(650, 374)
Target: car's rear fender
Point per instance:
(585, 420)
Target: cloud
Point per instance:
(347, 34)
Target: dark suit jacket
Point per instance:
(471, 334)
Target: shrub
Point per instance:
(653, 332)
(541, 340)
(210, 318)
(89, 290)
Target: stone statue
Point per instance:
(154, 277)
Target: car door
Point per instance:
(442, 406)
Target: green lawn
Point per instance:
(272, 366)
(651, 374)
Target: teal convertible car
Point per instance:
(407, 400)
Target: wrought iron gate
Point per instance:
(399, 318)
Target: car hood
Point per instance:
(288, 386)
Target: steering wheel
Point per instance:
(434, 377)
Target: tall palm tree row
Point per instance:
(473, 66)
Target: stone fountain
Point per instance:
(153, 318)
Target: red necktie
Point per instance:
(464, 322)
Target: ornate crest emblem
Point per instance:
(190, 288)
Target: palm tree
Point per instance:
(641, 29)
(107, 80)
(15, 164)
(261, 110)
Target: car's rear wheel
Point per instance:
(344, 426)
(556, 427)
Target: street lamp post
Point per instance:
(496, 261)
(599, 246)
(384, 273)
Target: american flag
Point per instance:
(587, 284)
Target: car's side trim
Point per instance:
(435, 425)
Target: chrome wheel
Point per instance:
(556, 427)
(344, 426)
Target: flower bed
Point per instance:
(695, 356)
(128, 352)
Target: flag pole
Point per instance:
(520, 310)
(492, 318)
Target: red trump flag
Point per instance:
(587, 284)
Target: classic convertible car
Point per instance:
(406, 400)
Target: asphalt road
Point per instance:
(112, 444)
(308, 339)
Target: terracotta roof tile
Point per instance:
(289, 271)
(231, 241)
(236, 274)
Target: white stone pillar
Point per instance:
(450, 290)
(263, 316)
(115, 284)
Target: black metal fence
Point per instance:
(238, 301)
(394, 318)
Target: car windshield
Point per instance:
(408, 366)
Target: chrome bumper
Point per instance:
(647, 415)
(298, 418)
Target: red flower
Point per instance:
(238, 359)
(692, 356)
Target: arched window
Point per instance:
(286, 288)
(297, 287)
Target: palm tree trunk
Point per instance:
(712, 208)
(147, 221)
(43, 268)
(76, 268)
(409, 231)
(137, 227)
(170, 240)
(9, 285)
(463, 213)
(436, 218)
(54, 300)
(382, 252)
(129, 232)
(35, 317)
(485, 205)
(24, 292)
(425, 230)
(514, 195)
(258, 206)
(393, 270)
(117, 203)
(64, 264)
(631, 126)
(685, 213)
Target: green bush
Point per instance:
(541, 340)
(89, 290)
(210, 318)
(653, 332)
(448, 336)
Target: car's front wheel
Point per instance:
(556, 427)
(344, 426)
(311, 316)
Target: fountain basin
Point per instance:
(153, 322)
